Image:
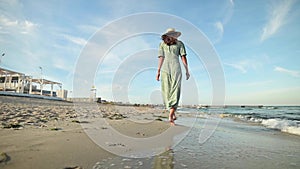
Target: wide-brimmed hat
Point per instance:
(172, 32)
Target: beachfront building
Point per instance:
(17, 82)
(62, 94)
(42, 84)
(12, 81)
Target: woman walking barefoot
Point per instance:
(169, 70)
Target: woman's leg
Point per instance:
(172, 116)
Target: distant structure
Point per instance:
(93, 94)
(62, 94)
(12, 81)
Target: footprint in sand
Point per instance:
(4, 158)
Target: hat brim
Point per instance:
(173, 34)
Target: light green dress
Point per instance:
(171, 72)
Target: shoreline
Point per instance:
(60, 135)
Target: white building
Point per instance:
(62, 94)
(12, 81)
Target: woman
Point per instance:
(169, 70)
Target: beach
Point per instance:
(38, 133)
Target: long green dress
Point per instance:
(171, 72)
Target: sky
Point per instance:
(239, 52)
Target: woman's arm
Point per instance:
(185, 64)
(160, 62)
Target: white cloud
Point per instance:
(75, 40)
(237, 66)
(287, 71)
(28, 27)
(218, 30)
(17, 26)
(226, 16)
(245, 65)
(229, 11)
(278, 14)
(220, 27)
(7, 22)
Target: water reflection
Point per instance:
(163, 161)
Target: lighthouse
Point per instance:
(93, 94)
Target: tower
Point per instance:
(93, 94)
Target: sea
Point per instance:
(282, 118)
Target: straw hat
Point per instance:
(172, 32)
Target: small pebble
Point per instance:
(140, 163)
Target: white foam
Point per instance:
(292, 130)
(282, 125)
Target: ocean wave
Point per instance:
(282, 118)
(284, 125)
(287, 126)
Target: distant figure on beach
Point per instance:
(169, 70)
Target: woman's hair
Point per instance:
(168, 40)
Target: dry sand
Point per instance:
(37, 133)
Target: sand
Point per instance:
(43, 148)
(37, 133)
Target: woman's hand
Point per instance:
(184, 61)
(158, 76)
(160, 62)
(187, 75)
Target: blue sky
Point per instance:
(257, 43)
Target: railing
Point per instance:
(9, 86)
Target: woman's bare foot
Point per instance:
(171, 120)
(174, 117)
